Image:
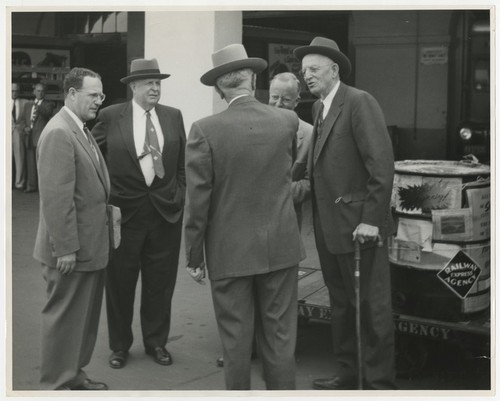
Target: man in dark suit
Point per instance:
(36, 115)
(72, 241)
(352, 169)
(143, 143)
(240, 216)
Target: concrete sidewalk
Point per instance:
(194, 341)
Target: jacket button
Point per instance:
(338, 199)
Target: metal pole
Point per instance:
(357, 261)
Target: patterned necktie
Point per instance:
(88, 135)
(152, 146)
(319, 126)
(320, 118)
(33, 115)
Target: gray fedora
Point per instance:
(142, 69)
(231, 58)
(326, 47)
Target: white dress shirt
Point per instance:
(327, 101)
(139, 127)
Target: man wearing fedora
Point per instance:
(143, 143)
(241, 224)
(351, 169)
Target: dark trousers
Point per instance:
(264, 304)
(149, 245)
(70, 319)
(377, 327)
(31, 172)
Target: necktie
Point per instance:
(320, 118)
(152, 146)
(33, 114)
(88, 134)
(14, 114)
(319, 126)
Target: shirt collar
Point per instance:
(74, 117)
(237, 97)
(139, 112)
(327, 101)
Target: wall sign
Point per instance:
(434, 55)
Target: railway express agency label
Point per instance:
(460, 274)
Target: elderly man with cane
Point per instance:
(351, 167)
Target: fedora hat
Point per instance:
(141, 68)
(326, 47)
(231, 58)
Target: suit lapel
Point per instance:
(126, 123)
(333, 113)
(167, 130)
(80, 137)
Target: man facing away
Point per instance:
(36, 115)
(351, 167)
(240, 221)
(143, 143)
(284, 92)
(72, 241)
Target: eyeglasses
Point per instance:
(284, 100)
(94, 95)
(314, 69)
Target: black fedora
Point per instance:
(142, 69)
(326, 47)
(231, 58)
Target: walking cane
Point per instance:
(357, 261)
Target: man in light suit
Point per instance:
(143, 143)
(240, 215)
(284, 92)
(351, 167)
(18, 147)
(36, 115)
(72, 241)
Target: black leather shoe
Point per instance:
(91, 385)
(118, 359)
(160, 355)
(335, 383)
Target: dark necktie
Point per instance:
(88, 135)
(14, 111)
(319, 126)
(152, 146)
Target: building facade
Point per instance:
(429, 69)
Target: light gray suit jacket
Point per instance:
(74, 189)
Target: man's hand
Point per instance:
(365, 232)
(197, 273)
(66, 264)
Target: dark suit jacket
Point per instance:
(114, 134)
(240, 209)
(43, 115)
(354, 170)
(74, 189)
